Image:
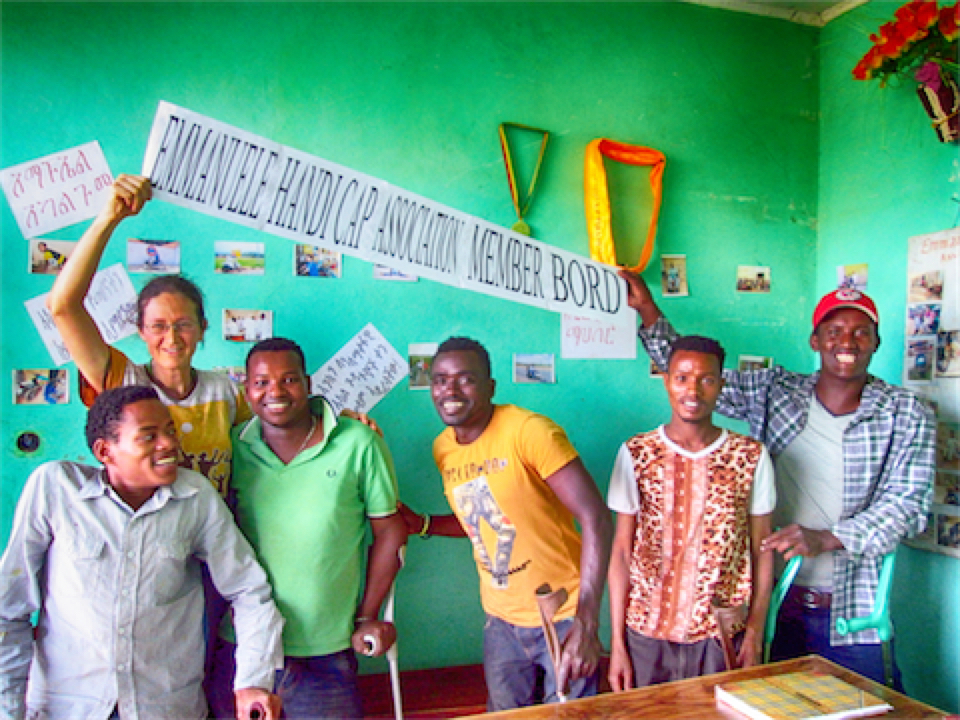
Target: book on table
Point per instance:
(799, 695)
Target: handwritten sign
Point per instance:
(111, 303)
(361, 373)
(57, 190)
(43, 320)
(588, 338)
(200, 163)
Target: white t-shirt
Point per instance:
(810, 484)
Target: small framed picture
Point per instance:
(247, 325)
(923, 319)
(746, 363)
(921, 357)
(925, 287)
(673, 275)
(948, 531)
(41, 387)
(237, 373)
(156, 257)
(47, 257)
(753, 279)
(238, 258)
(852, 277)
(421, 359)
(534, 368)
(948, 353)
(314, 261)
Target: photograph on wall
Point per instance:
(157, 257)
(946, 488)
(420, 356)
(948, 353)
(923, 319)
(534, 368)
(237, 373)
(948, 445)
(673, 275)
(41, 387)
(942, 532)
(948, 531)
(921, 356)
(238, 258)
(314, 261)
(47, 257)
(385, 272)
(745, 363)
(925, 287)
(753, 279)
(852, 277)
(247, 325)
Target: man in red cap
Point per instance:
(854, 459)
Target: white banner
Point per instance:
(200, 163)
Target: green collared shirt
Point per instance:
(307, 522)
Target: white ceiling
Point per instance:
(805, 12)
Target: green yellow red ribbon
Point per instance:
(597, 196)
(521, 226)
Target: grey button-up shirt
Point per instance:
(120, 599)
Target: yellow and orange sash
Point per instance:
(597, 196)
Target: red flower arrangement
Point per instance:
(922, 33)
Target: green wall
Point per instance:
(413, 93)
(884, 178)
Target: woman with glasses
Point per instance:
(171, 320)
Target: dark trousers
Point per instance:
(805, 631)
(659, 661)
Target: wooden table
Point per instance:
(694, 699)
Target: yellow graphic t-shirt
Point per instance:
(522, 534)
(203, 419)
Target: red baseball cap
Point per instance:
(844, 298)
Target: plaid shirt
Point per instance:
(888, 461)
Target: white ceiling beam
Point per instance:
(785, 11)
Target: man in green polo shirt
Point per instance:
(306, 484)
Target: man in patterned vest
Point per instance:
(693, 504)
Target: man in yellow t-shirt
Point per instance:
(516, 485)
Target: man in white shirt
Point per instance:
(110, 559)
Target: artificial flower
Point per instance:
(921, 33)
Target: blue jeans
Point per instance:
(324, 686)
(802, 631)
(511, 658)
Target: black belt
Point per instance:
(808, 598)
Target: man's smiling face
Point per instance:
(462, 392)
(846, 340)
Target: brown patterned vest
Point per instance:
(692, 543)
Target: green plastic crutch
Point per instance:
(879, 619)
(776, 599)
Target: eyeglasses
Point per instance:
(181, 327)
